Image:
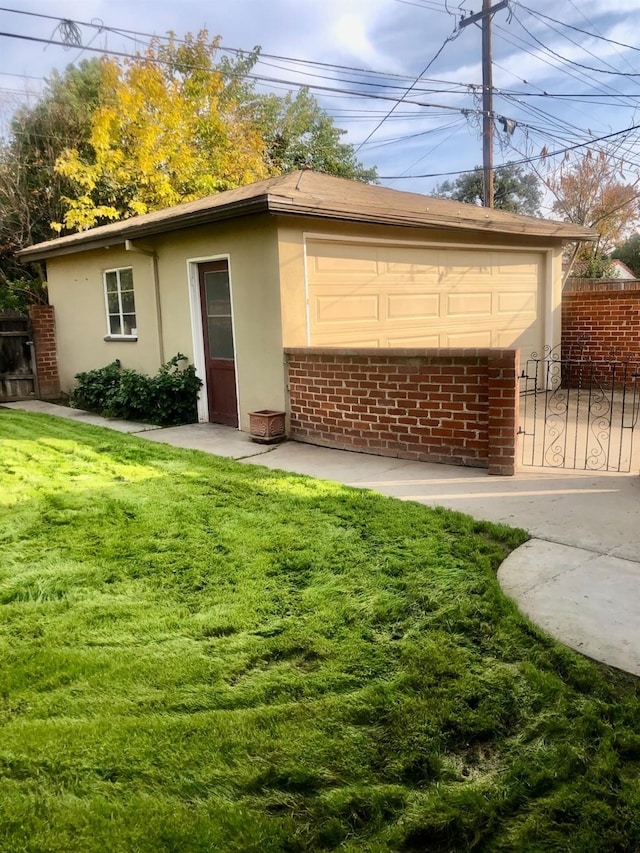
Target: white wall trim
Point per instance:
(197, 332)
(549, 293)
(306, 290)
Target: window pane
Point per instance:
(114, 325)
(112, 301)
(126, 279)
(220, 337)
(218, 297)
(128, 302)
(111, 279)
(129, 321)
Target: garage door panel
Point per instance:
(347, 309)
(413, 341)
(382, 295)
(520, 302)
(468, 304)
(421, 266)
(514, 266)
(403, 306)
(349, 339)
(469, 338)
(345, 258)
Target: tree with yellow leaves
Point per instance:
(172, 126)
(594, 191)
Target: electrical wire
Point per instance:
(540, 15)
(424, 71)
(573, 62)
(523, 161)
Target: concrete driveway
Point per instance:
(578, 577)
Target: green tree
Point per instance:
(298, 133)
(629, 253)
(30, 188)
(514, 189)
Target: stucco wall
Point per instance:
(76, 291)
(251, 245)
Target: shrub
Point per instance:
(18, 295)
(167, 399)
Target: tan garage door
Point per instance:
(369, 295)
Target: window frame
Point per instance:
(110, 336)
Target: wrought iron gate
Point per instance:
(579, 413)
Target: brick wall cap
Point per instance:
(400, 352)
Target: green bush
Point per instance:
(18, 295)
(167, 399)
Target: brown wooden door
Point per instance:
(215, 301)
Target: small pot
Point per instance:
(267, 426)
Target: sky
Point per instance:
(565, 72)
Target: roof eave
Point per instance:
(557, 231)
(283, 205)
(132, 231)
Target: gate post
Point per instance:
(503, 369)
(44, 338)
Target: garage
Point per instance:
(301, 260)
(367, 294)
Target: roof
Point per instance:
(622, 271)
(307, 193)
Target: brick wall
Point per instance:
(601, 324)
(457, 406)
(43, 324)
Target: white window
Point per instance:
(120, 303)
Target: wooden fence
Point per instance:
(17, 378)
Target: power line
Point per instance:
(627, 74)
(537, 14)
(546, 155)
(424, 71)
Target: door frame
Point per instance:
(197, 331)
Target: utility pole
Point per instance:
(487, 93)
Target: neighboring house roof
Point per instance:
(622, 271)
(307, 193)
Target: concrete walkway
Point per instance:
(578, 577)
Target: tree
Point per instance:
(629, 253)
(514, 189)
(168, 129)
(175, 125)
(299, 133)
(593, 192)
(30, 189)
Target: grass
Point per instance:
(199, 655)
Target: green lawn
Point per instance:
(199, 655)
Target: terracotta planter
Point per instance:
(267, 426)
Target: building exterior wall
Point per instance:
(269, 298)
(251, 247)
(76, 290)
(457, 406)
